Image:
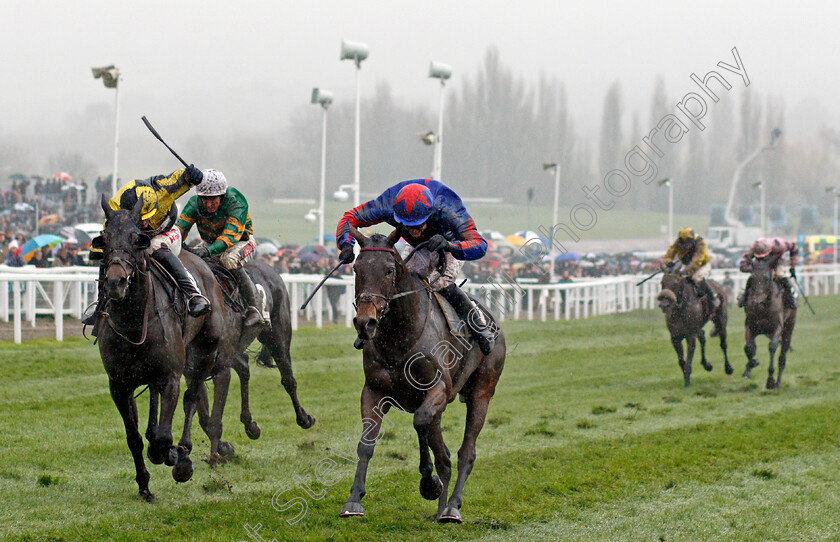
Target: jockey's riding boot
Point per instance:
(197, 304)
(89, 318)
(790, 300)
(742, 299)
(705, 291)
(463, 305)
(253, 316)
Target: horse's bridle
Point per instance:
(368, 297)
(130, 268)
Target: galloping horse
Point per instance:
(767, 315)
(686, 314)
(275, 341)
(413, 361)
(142, 345)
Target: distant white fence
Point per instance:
(26, 292)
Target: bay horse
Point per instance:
(686, 314)
(140, 344)
(767, 314)
(275, 340)
(414, 362)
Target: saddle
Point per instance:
(453, 321)
(228, 284)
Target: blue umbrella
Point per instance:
(567, 257)
(38, 242)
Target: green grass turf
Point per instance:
(285, 221)
(591, 436)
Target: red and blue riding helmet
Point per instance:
(413, 205)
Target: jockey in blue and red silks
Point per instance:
(425, 210)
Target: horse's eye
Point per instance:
(389, 271)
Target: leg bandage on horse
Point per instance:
(197, 304)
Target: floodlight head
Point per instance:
(439, 70)
(311, 216)
(341, 195)
(664, 182)
(110, 75)
(321, 96)
(353, 50)
(428, 138)
(547, 166)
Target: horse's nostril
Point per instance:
(370, 325)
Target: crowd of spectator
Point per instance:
(33, 205)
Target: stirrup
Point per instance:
(253, 317)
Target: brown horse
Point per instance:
(686, 314)
(275, 339)
(413, 361)
(141, 345)
(766, 314)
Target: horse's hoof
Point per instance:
(225, 449)
(252, 430)
(306, 421)
(431, 488)
(771, 384)
(183, 470)
(172, 457)
(155, 454)
(214, 459)
(708, 366)
(747, 374)
(729, 370)
(352, 509)
(147, 496)
(450, 514)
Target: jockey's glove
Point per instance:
(438, 242)
(194, 175)
(346, 255)
(201, 252)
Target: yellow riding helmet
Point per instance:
(687, 234)
(128, 196)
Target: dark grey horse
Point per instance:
(141, 345)
(686, 314)
(275, 341)
(412, 361)
(766, 314)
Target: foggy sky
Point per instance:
(217, 66)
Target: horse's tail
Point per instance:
(264, 358)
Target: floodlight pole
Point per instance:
(667, 182)
(324, 99)
(116, 133)
(356, 52)
(834, 192)
(356, 172)
(551, 256)
(442, 72)
(763, 212)
(439, 139)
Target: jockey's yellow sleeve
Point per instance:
(168, 189)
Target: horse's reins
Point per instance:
(130, 268)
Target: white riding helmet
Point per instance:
(214, 183)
